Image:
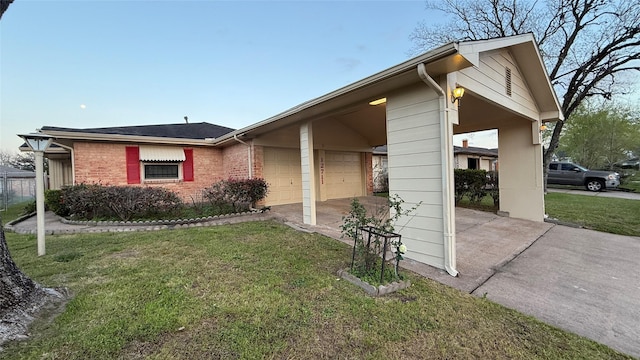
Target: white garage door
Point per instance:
(343, 174)
(283, 175)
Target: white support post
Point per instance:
(308, 174)
(40, 201)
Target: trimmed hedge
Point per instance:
(242, 194)
(124, 202)
(476, 184)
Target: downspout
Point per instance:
(249, 160)
(445, 137)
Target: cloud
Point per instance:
(348, 64)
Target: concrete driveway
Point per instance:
(583, 281)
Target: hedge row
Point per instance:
(89, 202)
(475, 185)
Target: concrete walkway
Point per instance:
(583, 281)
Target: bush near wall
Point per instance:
(242, 194)
(95, 201)
(475, 185)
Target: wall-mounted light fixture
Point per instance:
(543, 127)
(457, 94)
(378, 102)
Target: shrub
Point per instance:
(85, 201)
(122, 202)
(241, 194)
(53, 201)
(131, 202)
(472, 183)
(366, 255)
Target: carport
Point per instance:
(410, 107)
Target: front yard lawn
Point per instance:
(612, 215)
(258, 290)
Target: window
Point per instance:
(162, 171)
(472, 163)
(553, 166)
(159, 164)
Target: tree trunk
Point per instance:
(20, 297)
(15, 287)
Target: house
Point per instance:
(464, 157)
(469, 157)
(16, 186)
(322, 149)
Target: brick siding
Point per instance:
(105, 164)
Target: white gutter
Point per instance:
(235, 137)
(78, 135)
(447, 171)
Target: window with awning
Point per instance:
(159, 163)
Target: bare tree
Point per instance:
(586, 44)
(4, 4)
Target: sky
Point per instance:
(85, 64)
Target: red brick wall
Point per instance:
(105, 163)
(235, 162)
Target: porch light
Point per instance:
(38, 143)
(457, 94)
(543, 127)
(378, 102)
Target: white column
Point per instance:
(308, 175)
(40, 201)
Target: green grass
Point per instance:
(617, 216)
(486, 204)
(258, 290)
(13, 212)
(632, 182)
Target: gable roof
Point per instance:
(16, 173)
(196, 131)
(447, 58)
(470, 150)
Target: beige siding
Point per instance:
(414, 152)
(60, 173)
(521, 187)
(462, 162)
(488, 79)
(282, 173)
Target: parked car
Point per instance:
(566, 173)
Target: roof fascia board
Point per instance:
(408, 65)
(124, 138)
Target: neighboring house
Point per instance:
(322, 148)
(16, 186)
(380, 164)
(466, 157)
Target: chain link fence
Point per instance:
(16, 187)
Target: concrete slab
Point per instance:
(580, 280)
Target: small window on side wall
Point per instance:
(163, 171)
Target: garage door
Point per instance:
(343, 174)
(282, 173)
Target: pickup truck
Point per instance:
(566, 173)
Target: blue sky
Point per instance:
(85, 64)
